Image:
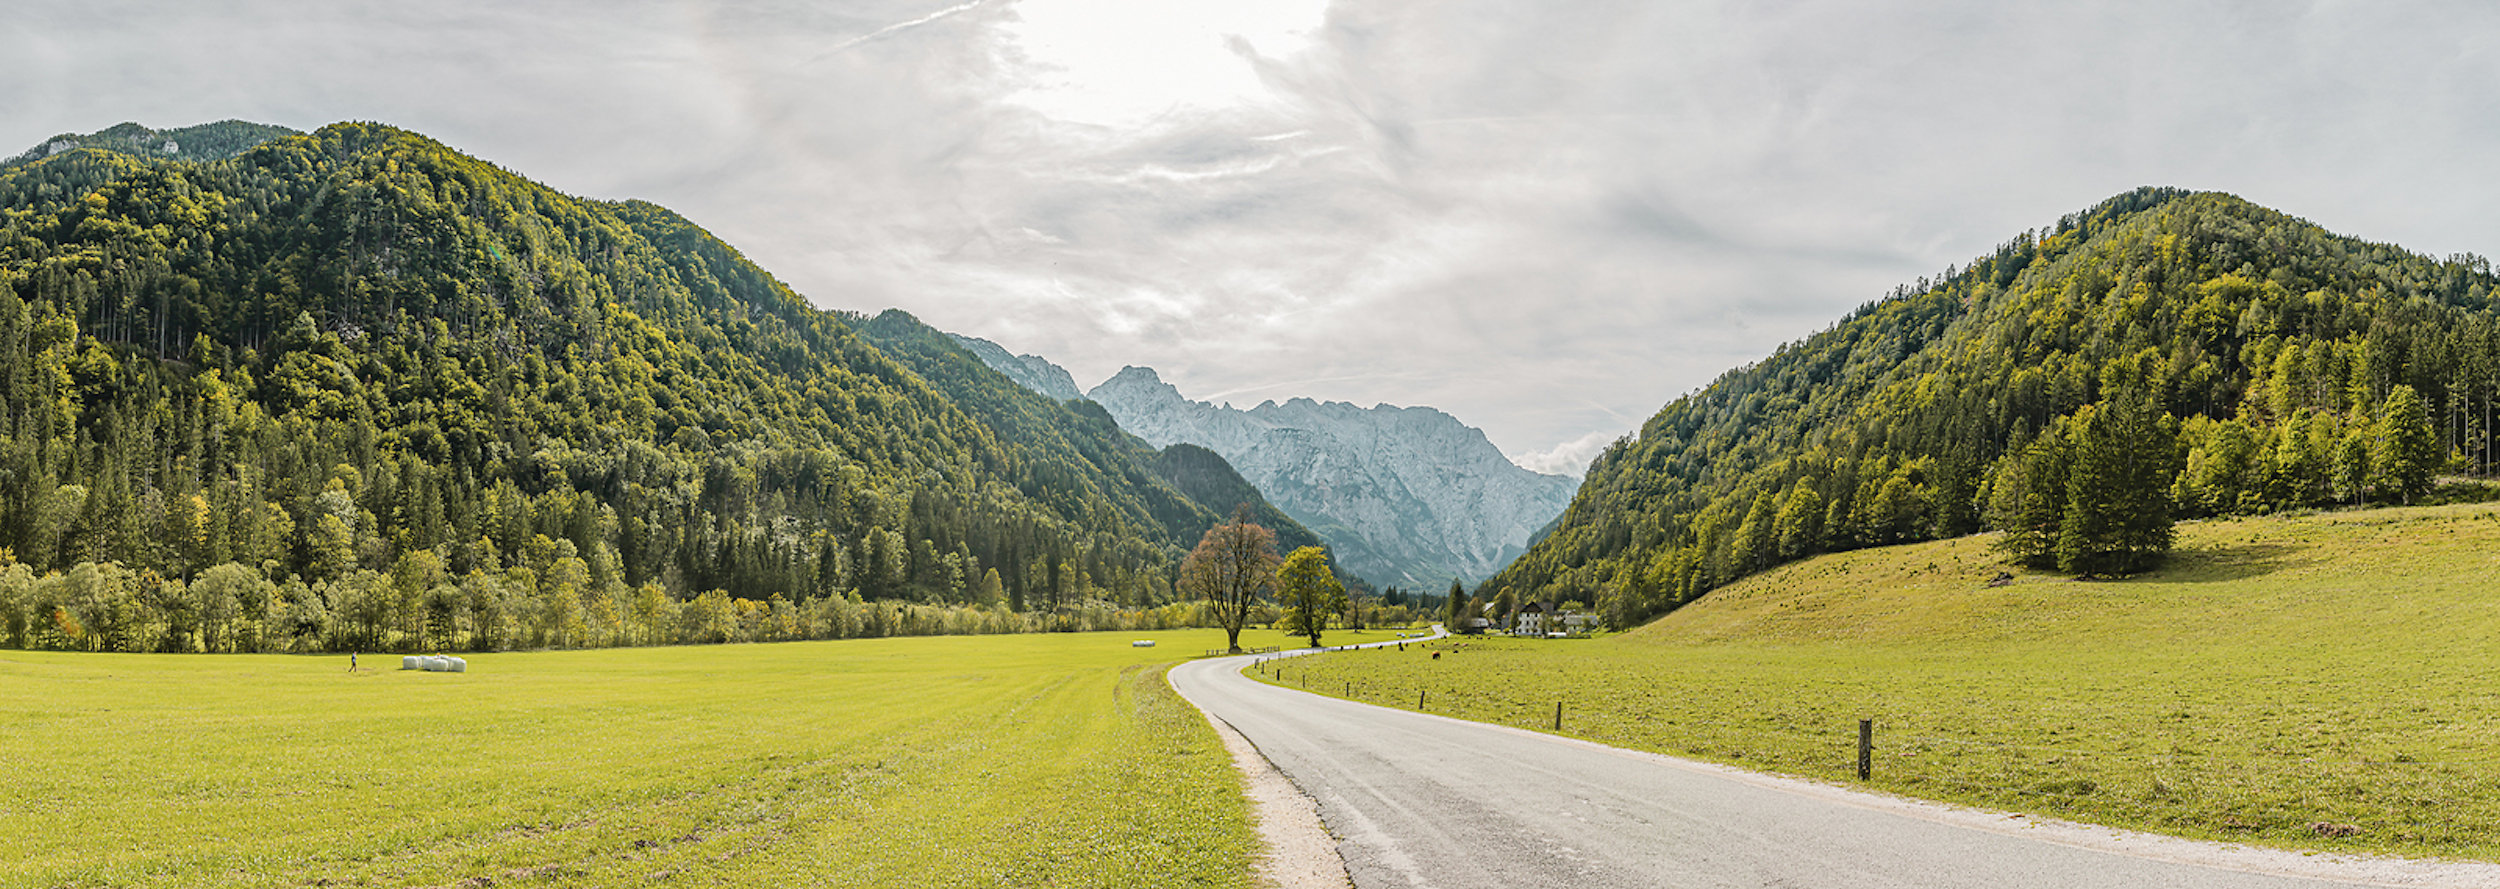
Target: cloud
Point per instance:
(1568, 458)
(897, 27)
(1546, 219)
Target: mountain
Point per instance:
(205, 142)
(2289, 368)
(357, 360)
(1030, 371)
(1404, 496)
(1188, 490)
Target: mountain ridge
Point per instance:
(1409, 495)
(1370, 523)
(1206, 489)
(201, 142)
(1030, 371)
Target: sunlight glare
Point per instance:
(1122, 63)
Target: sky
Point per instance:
(1546, 217)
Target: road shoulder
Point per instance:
(1300, 852)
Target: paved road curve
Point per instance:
(1422, 800)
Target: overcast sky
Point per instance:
(1547, 218)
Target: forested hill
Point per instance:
(1210, 479)
(357, 357)
(2286, 366)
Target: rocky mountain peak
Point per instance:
(1405, 495)
(1030, 371)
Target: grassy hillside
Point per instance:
(2276, 366)
(2280, 672)
(1056, 760)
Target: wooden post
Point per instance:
(1419, 699)
(1866, 748)
(1558, 716)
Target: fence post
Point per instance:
(1866, 748)
(1558, 716)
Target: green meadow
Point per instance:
(1026, 760)
(2327, 681)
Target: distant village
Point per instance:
(1541, 619)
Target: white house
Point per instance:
(1531, 620)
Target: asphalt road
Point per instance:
(1422, 800)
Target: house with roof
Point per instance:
(1530, 621)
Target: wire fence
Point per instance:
(2135, 775)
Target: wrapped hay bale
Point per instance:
(411, 662)
(459, 665)
(1142, 643)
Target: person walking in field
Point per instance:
(351, 662)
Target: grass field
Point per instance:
(2339, 668)
(1043, 760)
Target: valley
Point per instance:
(2162, 516)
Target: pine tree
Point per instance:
(2118, 511)
(2027, 498)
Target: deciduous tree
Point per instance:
(1311, 592)
(2405, 453)
(1234, 563)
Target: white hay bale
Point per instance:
(411, 662)
(437, 663)
(1142, 643)
(459, 665)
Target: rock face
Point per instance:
(1406, 496)
(1030, 371)
(208, 141)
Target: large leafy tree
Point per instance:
(1230, 568)
(1310, 591)
(2406, 452)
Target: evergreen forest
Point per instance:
(2164, 355)
(355, 390)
